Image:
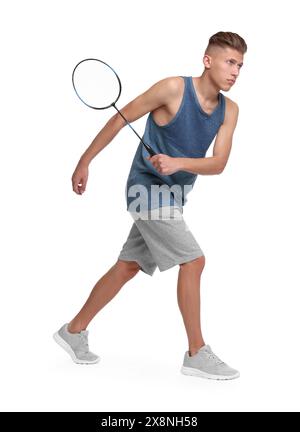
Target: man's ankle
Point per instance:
(193, 351)
(74, 328)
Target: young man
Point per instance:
(185, 114)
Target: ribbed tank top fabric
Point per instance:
(188, 135)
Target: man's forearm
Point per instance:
(104, 137)
(206, 165)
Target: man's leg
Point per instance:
(188, 295)
(104, 290)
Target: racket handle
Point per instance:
(149, 149)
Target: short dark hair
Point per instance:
(227, 39)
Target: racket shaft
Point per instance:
(148, 148)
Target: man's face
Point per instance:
(224, 67)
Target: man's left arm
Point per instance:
(208, 165)
(221, 151)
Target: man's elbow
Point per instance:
(220, 168)
(117, 121)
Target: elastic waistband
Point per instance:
(161, 213)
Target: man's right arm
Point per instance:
(161, 93)
(158, 95)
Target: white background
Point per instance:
(55, 245)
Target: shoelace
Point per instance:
(213, 356)
(85, 342)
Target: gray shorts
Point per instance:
(161, 241)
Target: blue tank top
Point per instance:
(189, 134)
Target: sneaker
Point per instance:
(206, 364)
(76, 344)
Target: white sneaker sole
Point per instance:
(198, 373)
(69, 350)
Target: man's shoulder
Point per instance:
(172, 84)
(231, 111)
(230, 104)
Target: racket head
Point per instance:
(96, 83)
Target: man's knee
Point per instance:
(197, 264)
(128, 268)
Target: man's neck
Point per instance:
(207, 90)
